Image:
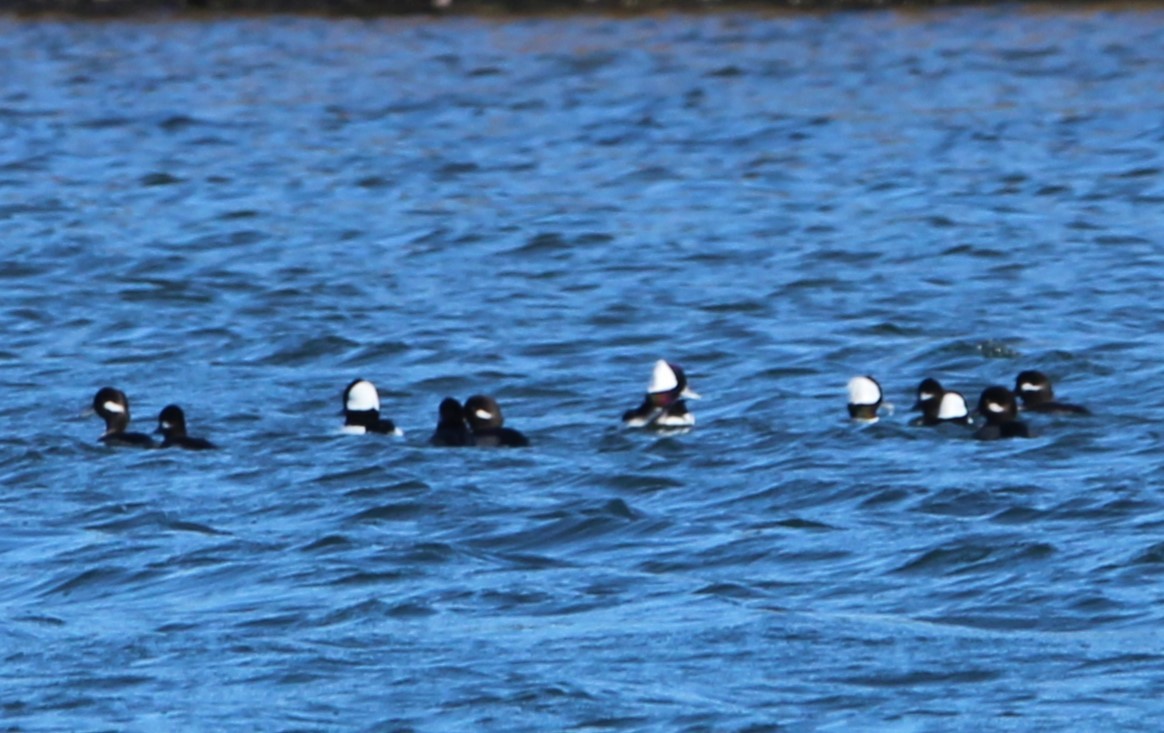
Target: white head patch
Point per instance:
(995, 407)
(111, 406)
(483, 414)
(166, 425)
(952, 407)
(925, 396)
(663, 378)
(362, 397)
(863, 391)
(1028, 387)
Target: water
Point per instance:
(242, 215)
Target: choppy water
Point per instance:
(243, 215)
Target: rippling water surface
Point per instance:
(241, 216)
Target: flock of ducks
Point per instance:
(998, 405)
(479, 422)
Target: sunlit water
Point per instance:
(241, 216)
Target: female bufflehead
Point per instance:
(1034, 388)
(929, 394)
(997, 405)
(451, 429)
(362, 410)
(939, 406)
(113, 407)
(864, 398)
(665, 405)
(172, 427)
(486, 422)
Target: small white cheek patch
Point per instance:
(114, 407)
(995, 407)
(1028, 387)
(483, 414)
(924, 396)
(167, 426)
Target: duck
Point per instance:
(488, 425)
(665, 404)
(172, 428)
(112, 406)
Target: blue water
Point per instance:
(242, 215)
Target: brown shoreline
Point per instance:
(375, 8)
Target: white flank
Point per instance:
(114, 407)
(640, 422)
(355, 430)
(863, 391)
(676, 421)
(363, 397)
(952, 407)
(663, 378)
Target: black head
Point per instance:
(113, 407)
(1033, 387)
(483, 412)
(929, 395)
(997, 405)
(451, 411)
(171, 422)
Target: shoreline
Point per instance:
(385, 8)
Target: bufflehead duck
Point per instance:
(362, 410)
(665, 405)
(451, 430)
(172, 426)
(939, 406)
(485, 420)
(113, 407)
(998, 406)
(929, 394)
(864, 398)
(1034, 388)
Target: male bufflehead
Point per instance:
(362, 410)
(451, 429)
(939, 406)
(1034, 388)
(665, 405)
(864, 398)
(172, 427)
(485, 420)
(998, 406)
(113, 407)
